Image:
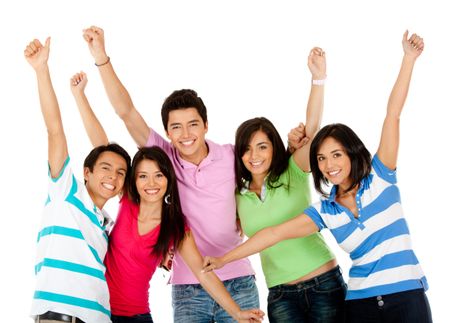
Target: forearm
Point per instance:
(117, 93)
(399, 92)
(261, 240)
(215, 288)
(93, 127)
(57, 145)
(314, 110)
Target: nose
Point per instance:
(185, 132)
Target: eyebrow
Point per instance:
(332, 152)
(179, 123)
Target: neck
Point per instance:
(150, 210)
(198, 156)
(99, 202)
(342, 192)
(256, 182)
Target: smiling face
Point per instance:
(334, 162)
(107, 177)
(151, 184)
(258, 156)
(186, 130)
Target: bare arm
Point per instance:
(37, 56)
(94, 129)
(317, 66)
(300, 226)
(390, 135)
(118, 95)
(212, 284)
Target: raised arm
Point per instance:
(117, 93)
(390, 135)
(300, 226)
(212, 284)
(37, 55)
(317, 67)
(94, 129)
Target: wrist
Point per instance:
(101, 60)
(320, 80)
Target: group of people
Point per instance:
(182, 196)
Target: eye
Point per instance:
(142, 176)
(263, 147)
(194, 124)
(159, 175)
(105, 167)
(175, 127)
(320, 158)
(337, 155)
(122, 174)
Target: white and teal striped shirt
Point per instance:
(71, 246)
(378, 241)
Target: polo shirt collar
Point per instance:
(214, 153)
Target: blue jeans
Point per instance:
(192, 304)
(320, 299)
(405, 307)
(140, 318)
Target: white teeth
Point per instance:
(152, 192)
(333, 173)
(187, 143)
(256, 163)
(109, 186)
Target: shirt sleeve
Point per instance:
(389, 175)
(155, 139)
(297, 171)
(60, 186)
(314, 213)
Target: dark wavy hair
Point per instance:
(172, 228)
(183, 99)
(360, 157)
(280, 158)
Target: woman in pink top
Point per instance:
(150, 221)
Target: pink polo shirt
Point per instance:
(208, 202)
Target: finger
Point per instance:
(207, 269)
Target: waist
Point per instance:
(53, 316)
(315, 281)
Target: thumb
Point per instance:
(47, 42)
(405, 35)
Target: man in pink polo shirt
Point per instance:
(206, 181)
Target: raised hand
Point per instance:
(37, 54)
(317, 63)
(412, 46)
(78, 83)
(95, 38)
(297, 138)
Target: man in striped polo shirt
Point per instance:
(72, 241)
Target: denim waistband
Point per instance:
(315, 281)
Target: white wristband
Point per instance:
(319, 82)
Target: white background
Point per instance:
(246, 59)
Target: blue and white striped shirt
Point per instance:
(378, 241)
(71, 246)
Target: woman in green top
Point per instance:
(304, 280)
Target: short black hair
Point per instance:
(360, 158)
(183, 99)
(280, 158)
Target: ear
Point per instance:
(86, 172)
(206, 126)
